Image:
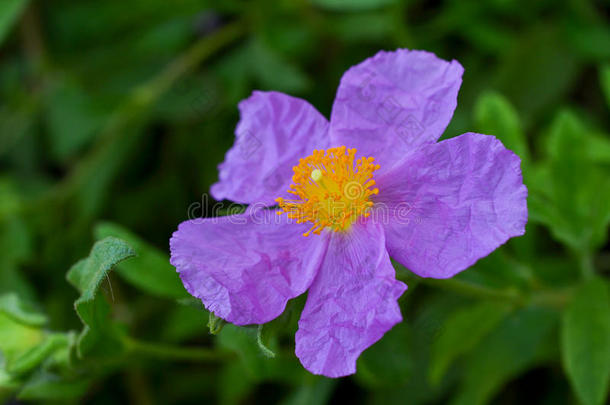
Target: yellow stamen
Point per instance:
(330, 191)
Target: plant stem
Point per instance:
(543, 297)
(585, 261)
(551, 298)
(474, 290)
(166, 351)
(259, 340)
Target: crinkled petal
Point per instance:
(245, 267)
(274, 131)
(351, 303)
(452, 203)
(393, 102)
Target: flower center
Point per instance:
(331, 191)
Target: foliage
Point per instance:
(114, 116)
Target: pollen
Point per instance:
(331, 189)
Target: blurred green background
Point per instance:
(113, 118)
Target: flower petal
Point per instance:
(351, 303)
(393, 102)
(451, 204)
(274, 131)
(245, 267)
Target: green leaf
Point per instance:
(8, 385)
(494, 115)
(184, 322)
(585, 342)
(275, 72)
(14, 307)
(462, 332)
(424, 327)
(10, 10)
(190, 99)
(13, 280)
(15, 239)
(235, 384)
(487, 36)
(352, 5)
(10, 200)
(44, 385)
(152, 271)
(242, 340)
(570, 192)
(363, 27)
(528, 73)
(15, 243)
(33, 357)
(233, 69)
(17, 120)
(388, 362)
(71, 118)
(93, 175)
(499, 271)
(16, 339)
(517, 344)
(317, 392)
(598, 148)
(93, 310)
(590, 40)
(62, 358)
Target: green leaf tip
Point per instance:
(86, 276)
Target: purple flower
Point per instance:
(377, 185)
